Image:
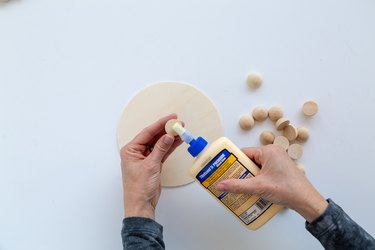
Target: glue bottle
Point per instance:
(224, 160)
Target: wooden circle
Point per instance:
(260, 114)
(310, 108)
(281, 141)
(246, 122)
(303, 134)
(295, 151)
(275, 113)
(282, 123)
(254, 80)
(290, 132)
(191, 105)
(266, 137)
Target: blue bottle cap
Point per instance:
(197, 146)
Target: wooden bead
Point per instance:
(275, 113)
(168, 127)
(301, 167)
(282, 123)
(260, 114)
(246, 122)
(310, 108)
(290, 132)
(266, 137)
(254, 80)
(303, 134)
(281, 141)
(295, 151)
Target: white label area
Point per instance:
(255, 211)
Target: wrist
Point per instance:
(139, 210)
(312, 207)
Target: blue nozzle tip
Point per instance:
(197, 146)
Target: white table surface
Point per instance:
(68, 68)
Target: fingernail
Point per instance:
(168, 139)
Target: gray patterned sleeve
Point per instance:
(336, 230)
(141, 233)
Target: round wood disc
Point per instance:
(282, 123)
(281, 141)
(310, 108)
(295, 151)
(193, 107)
(290, 132)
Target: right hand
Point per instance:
(279, 181)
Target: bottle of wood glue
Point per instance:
(224, 160)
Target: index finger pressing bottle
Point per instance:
(223, 160)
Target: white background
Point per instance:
(68, 68)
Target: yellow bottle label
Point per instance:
(225, 165)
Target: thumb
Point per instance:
(248, 186)
(161, 148)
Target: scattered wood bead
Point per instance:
(168, 127)
(310, 108)
(303, 134)
(295, 151)
(275, 113)
(281, 141)
(290, 132)
(266, 137)
(246, 122)
(282, 123)
(254, 80)
(301, 167)
(260, 114)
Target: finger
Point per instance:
(175, 145)
(160, 134)
(161, 148)
(248, 186)
(254, 154)
(148, 134)
(153, 141)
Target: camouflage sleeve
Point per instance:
(142, 233)
(336, 230)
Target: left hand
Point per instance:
(141, 164)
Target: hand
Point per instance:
(141, 164)
(279, 181)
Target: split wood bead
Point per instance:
(295, 151)
(275, 113)
(266, 137)
(246, 122)
(260, 114)
(303, 134)
(168, 127)
(254, 80)
(281, 141)
(301, 167)
(290, 132)
(310, 108)
(282, 123)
